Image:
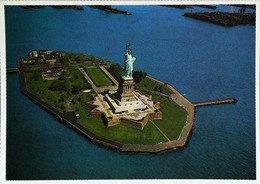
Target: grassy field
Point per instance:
(174, 117)
(98, 77)
(121, 133)
(55, 92)
(153, 85)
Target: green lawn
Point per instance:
(98, 77)
(153, 85)
(124, 134)
(174, 117)
(55, 92)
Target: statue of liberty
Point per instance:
(129, 64)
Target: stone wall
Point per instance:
(95, 113)
(90, 105)
(131, 123)
(134, 123)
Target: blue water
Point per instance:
(202, 60)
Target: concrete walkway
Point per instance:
(68, 102)
(88, 79)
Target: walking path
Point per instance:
(160, 130)
(68, 102)
(88, 79)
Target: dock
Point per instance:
(215, 102)
(12, 70)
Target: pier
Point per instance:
(215, 102)
(12, 70)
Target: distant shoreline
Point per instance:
(106, 8)
(75, 7)
(223, 18)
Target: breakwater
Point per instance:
(224, 18)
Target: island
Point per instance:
(224, 18)
(108, 8)
(112, 105)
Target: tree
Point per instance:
(63, 75)
(58, 86)
(76, 88)
(138, 76)
(115, 70)
(64, 60)
(160, 89)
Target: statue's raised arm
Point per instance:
(129, 64)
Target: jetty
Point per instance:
(12, 70)
(215, 102)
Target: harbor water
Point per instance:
(203, 61)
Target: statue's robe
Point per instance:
(129, 64)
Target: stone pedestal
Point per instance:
(125, 92)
